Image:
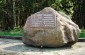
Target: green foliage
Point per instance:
(65, 6)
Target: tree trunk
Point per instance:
(14, 12)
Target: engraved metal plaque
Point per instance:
(42, 20)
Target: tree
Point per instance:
(15, 12)
(79, 13)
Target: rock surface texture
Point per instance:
(50, 28)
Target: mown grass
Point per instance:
(82, 34)
(12, 33)
(18, 33)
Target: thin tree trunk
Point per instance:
(18, 18)
(14, 12)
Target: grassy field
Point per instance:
(12, 33)
(18, 33)
(82, 34)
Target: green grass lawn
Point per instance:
(12, 33)
(82, 34)
(18, 33)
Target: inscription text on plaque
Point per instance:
(42, 20)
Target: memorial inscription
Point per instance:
(42, 21)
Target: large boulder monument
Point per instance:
(50, 28)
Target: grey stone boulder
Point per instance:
(50, 28)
